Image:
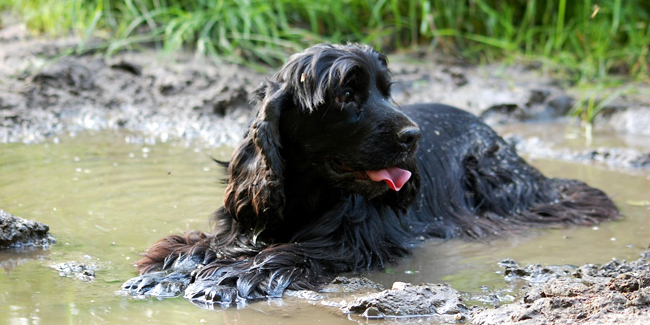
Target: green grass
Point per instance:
(585, 41)
(592, 101)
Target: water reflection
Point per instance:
(14, 257)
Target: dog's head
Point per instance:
(326, 114)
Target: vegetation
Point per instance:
(587, 40)
(594, 100)
(589, 43)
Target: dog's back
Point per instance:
(473, 184)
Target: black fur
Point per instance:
(299, 207)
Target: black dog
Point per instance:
(332, 176)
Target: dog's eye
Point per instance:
(345, 97)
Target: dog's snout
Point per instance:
(409, 136)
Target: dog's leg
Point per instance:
(160, 284)
(267, 275)
(167, 266)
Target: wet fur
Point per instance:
(292, 216)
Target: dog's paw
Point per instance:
(208, 293)
(157, 284)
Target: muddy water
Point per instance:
(106, 199)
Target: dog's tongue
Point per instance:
(393, 176)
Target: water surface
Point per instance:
(107, 199)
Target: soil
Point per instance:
(45, 92)
(614, 293)
(83, 271)
(615, 157)
(16, 232)
(406, 300)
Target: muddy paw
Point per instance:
(157, 284)
(209, 293)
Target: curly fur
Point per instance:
(298, 209)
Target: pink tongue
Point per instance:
(393, 176)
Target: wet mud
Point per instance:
(617, 292)
(614, 293)
(16, 232)
(79, 270)
(45, 92)
(405, 300)
(616, 157)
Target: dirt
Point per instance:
(615, 157)
(45, 92)
(79, 270)
(22, 240)
(16, 232)
(615, 293)
(406, 300)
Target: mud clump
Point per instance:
(614, 293)
(617, 292)
(625, 158)
(159, 97)
(342, 284)
(633, 120)
(83, 270)
(406, 300)
(77, 270)
(19, 232)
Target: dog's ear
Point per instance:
(255, 191)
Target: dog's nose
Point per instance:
(409, 136)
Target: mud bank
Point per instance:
(615, 157)
(45, 92)
(614, 293)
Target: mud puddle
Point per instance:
(563, 139)
(109, 195)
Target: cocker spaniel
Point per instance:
(333, 176)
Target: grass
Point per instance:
(592, 102)
(584, 41)
(593, 45)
